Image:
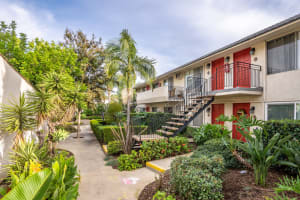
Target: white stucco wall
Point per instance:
(12, 84)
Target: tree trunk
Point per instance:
(241, 160)
(128, 135)
(78, 122)
(109, 95)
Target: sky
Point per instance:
(173, 32)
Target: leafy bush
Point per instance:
(162, 196)
(283, 127)
(59, 135)
(65, 180)
(217, 147)
(198, 178)
(209, 131)
(151, 150)
(189, 132)
(114, 147)
(154, 120)
(129, 162)
(112, 111)
(159, 149)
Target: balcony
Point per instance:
(160, 94)
(237, 78)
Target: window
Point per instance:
(283, 111)
(168, 109)
(154, 109)
(282, 54)
(165, 82)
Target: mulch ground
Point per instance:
(236, 186)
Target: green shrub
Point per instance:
(111, 114)
(198, 178)
(129, 162)
(91, 117)
(114, 147)
(154, 120)
(209, 131)
(283, 127)
(159, 149)
(162, 196)
(104, 133)
(217, 147)
(189, 132)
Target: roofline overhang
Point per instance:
(226, 47)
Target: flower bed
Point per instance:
(153, 150)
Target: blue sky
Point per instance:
(171, 31)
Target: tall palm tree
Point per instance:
(76, 102)
(17, 117)
(112, 77)
(123, 54)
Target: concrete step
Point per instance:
(160, 166)
(171, 128)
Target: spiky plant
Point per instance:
(17, 116)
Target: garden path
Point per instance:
(100, 182)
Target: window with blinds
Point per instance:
(282, 54)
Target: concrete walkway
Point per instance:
(97, 180)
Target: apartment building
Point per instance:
(258, 75)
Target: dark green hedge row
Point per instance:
(104, 132)
(284, 127)
(154, 120)
(91, 117)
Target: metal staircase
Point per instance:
(194, 102)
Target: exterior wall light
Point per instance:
(252, 51)
(207, 65)
(208, 111)
(227, 59)
(252, 110)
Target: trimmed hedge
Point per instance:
(114, 147)
(198, 178)
(104, 133)
(284, 127)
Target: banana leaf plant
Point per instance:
(261, 156)
(32, 188)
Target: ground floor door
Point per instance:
(238, 110)
(148, 109)
(217, 110)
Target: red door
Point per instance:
(217, 110)
(239, 109)
(148, 109)
(148, 87)
(242, 68)
(217, 76)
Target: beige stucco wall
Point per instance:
(156, 95)
(284, 86)
(11, 86)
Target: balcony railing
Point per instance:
(160, 94)
(237, 75)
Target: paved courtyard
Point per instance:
(97, 180)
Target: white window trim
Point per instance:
(282, 103)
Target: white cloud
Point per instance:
(30, 20)
(223, 20)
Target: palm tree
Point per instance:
(112, 77)
(76, 102)
(123, 55)
(17, 117)
(44, 105)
